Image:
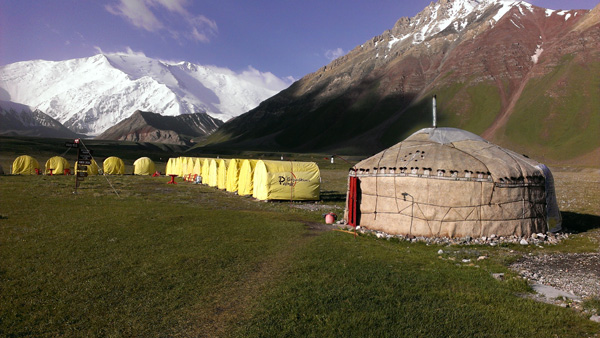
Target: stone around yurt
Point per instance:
(56, 165)
(143, 166)
(113, 166)
(446, 182)
(25, 165)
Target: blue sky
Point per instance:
(289, 38)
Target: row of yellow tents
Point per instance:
(58, 165)
(261, 179)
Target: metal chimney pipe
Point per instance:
(434, 112)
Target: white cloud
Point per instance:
(143, 14)
(333, 54)
(263, 79)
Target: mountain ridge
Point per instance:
(89, 95)
(144, 126)
(481, 64)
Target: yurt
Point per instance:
(25, 165)
(222, 173)
(171, 166)
(212, 173)
(143, 166)
(56, 165)
(245, 181)
(447, 182)
(92, 169)
(113, 166)
(233, 175)
(286, 180)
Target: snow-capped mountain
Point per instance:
(89, 95)
(520, 75)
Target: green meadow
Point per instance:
(133, 256)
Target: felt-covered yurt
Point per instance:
(143, 166)
(233, 175)
(113, 166)
(222, 173)
(212, 172)
(92, 169)
(56, 165)
(245, 181)
(447, 182)
(25, 165)
(171, 167)
(286, 180)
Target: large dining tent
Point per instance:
(233, 175)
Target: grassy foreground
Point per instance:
(188, 261)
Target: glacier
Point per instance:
(90, 95)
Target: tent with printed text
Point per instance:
(25, 165)
(246, 176)
(143, 166)
(113, 166)
(286, 180)
(447, 182)
(57, 165)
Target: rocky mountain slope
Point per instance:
(19, 119)
(89, 95)
(520, 75)
(152, 127)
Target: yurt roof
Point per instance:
(453, 153)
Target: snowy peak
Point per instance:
(89, 95)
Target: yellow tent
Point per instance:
(58, 164)
(205, 170)
(197, 166)
(179, 167)
(187, 165)
(212, 173)
(286, 180)
(245, 178)
(171, 166)
(143, 166)
(233, 175)
(25, 165)
(114, 166)
(92, 169)
(222, 173)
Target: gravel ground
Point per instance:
(576, 273)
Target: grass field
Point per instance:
(187, 260)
